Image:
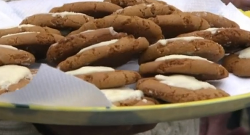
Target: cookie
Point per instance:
(126, 3)
(229, 38)
(95, 9)
(216, 21)
(12, 56)
(238, 63)
(34, 42)
(70, 45)
(106, 77)
(127, 97)
(28, 28)
(179, 88)
(148, 10)
(111, 53)
(182, 64)
(176, 24)
(58, 20)
(13, 78)
(129, 24)
(193, 46)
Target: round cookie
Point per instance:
(148, 10)
(58, 20)
(13, 78)
(28, 28)
(95, 9)
(179, 88)
(12, 56)
(193, 46)
(129, 24)
(239, 63)
(216, 21)
(126, 3)
(106, 77)
(229, 38)
(176, 24)
(34, 42)
(72, 44)
(182, 64)
(111, 53)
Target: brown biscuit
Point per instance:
(216, 21)
(154, 88)
(193, 46)
(12, 56)
(176, 24)
(95, 9)
(112, 53)
(148, 10)
(28, 28)
(130, 24)
(70, 45)
(33, 42)
(145, 101)
(126, 3)
(191, 65)
(58, 20)
(236, 65)
(229, 38)
(111, 79)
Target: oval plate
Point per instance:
(122, 115)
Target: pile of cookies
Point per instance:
(177, 51)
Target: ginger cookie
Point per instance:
(179, 88)
(28, 28)
(34, 42)
(95, 9)
(216, 21)
(58, 20)
(126, 3)
(127, 97)
(229, 38)
(106, 77)
(72, 44)
(12, 56)
(111, 53)
(13, 78)
(134, 25)
(176, 24)
(238, 63)
(148, 10)
(181, 64)
(193, 46)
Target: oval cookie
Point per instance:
(28, 28)
(193, 46)
(126, 3)
(176, 24)
(239, 63)
(181, 64)
(148, 10)
(216, 21)
(95, 9)
(106, 77)
(179, 88)
(34, 42)
(130, 24)
(70, 45)
(12, 56)
(112, 53)
(58, 20)
(228, 37)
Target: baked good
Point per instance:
(126, 3)
(193, 46)
(182, 64)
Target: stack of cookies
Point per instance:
(177, 51)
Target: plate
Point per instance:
(122, 115)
